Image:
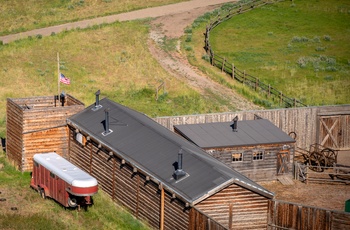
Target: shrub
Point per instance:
(327, 38)
(188, 38)
(188, 48)
(39, 36)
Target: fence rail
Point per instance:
(322, 174)
(239, 75)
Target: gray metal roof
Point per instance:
(154, 149)
(220, 134)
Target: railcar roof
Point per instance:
(154, 149)
(65, 170)
(220, 134)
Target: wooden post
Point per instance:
(307, 174)
(230, 207)
(223, 65)
(295, 102)
(243, 76)
(233, 71)
(269, 93)
(90, 158)
(161, 227)
(58, 74)
(281, 98)
(212, 59)
(256, 84)
(114, 171)
(137, 195)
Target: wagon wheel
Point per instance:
(316, 160)
(293, 135)
(330, 156)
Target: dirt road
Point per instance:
(138, 14)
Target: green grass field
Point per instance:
(103, 57)
(18, 16)
(33, 212)
(302, 48)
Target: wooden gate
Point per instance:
(334, 129)
(282, 162)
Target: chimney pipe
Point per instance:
(107, 120)
(234, 125)
(179, 160)
(179, 173)
(107, 130)
(97, 101)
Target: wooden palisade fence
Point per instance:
(241, 76)
(286, 215)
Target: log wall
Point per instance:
(236, 208)
(37, 125)
(303, 121)
(129, 186)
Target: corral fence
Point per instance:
(337, 173)
(241, 75)
(287, 215)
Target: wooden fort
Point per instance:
(159, 176)
(38, 125)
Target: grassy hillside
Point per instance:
(18, 16)
(301, 48)
(114, 58)
(23, 208)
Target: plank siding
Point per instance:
(257, 170)
(302, 121)
(249, 210)
(285, 215)
(37, 125)
(126, 187)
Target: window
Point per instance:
(258, 155)
(236, 157)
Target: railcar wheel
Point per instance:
(72, 202)
(42, 193)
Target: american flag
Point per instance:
(64, 80)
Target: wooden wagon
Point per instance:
(318, 157)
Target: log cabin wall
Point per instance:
(236, 208)
(305, 122)
(129, 186)
(37, 125)
(257, 168)
(14, 127)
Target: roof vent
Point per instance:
(179, 173)
(234, 125)
(106, 124)
(97, 101)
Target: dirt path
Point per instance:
(172, 26)
(138, 14)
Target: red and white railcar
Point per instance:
(55, 177)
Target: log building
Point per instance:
(159, 176)
(256, 148)
(38, 125)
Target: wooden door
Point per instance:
(282, 162)
(330, 131)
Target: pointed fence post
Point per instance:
(223, 65)
(233, 71)
(212, 59)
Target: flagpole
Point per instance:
(58, 73)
